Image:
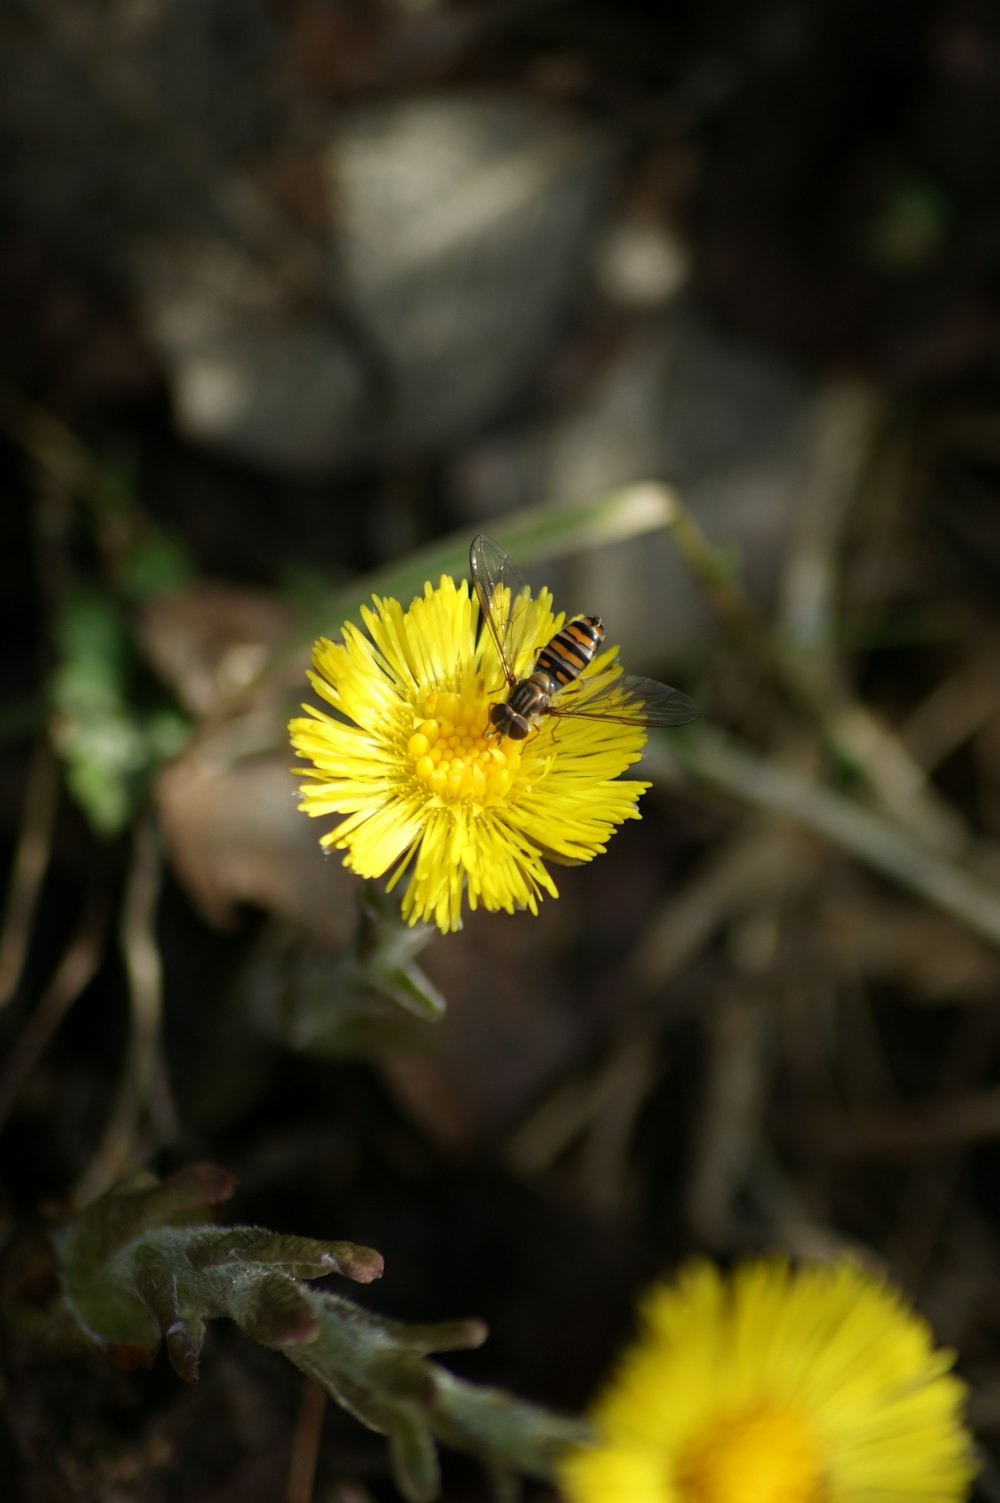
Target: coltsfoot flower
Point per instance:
(427, 788)
(777, 1386)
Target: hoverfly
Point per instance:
(554, 686)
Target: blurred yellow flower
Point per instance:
(424, 785)
(777, 1386)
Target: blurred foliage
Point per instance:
(110, 744)
(911, 226)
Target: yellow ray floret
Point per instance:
(777, 1386)
(423, 785)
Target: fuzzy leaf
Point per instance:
(303, 1257)
(131, 1271)
(414, 1460)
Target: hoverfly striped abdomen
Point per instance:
(560, 661)
(570, 650)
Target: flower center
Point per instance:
(760, 1455)
(453, 755)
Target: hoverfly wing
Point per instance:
(503, 598)
(656, 704)
(627, 701)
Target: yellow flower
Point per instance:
(777, 1386)
(425, 786)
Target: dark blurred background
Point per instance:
(291, 288)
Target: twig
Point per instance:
(73, 974)
(717, 761)
(758, 862)
(729, 1126)
(599, 1107)
(626, 1080)
(53, 446)
(896, 780)
(305, 1443)
(955, 710)
(551, 1127)
(911, 1130)
(144, 1093)
(31, 862)
(851, 415)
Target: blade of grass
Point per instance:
(530, 536)
(717, 761)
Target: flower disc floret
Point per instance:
(455, 758)
(426, 787)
